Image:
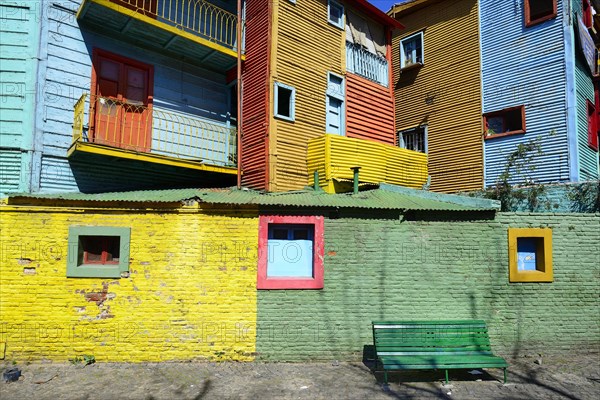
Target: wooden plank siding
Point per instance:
(305, 48)
(445, 93)
(369, 110)
(255, 109)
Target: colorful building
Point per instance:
(534, 72)
(200, 274)
(132, 94)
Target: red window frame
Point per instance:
(592, 116)
(317, 280)
(586, 13)
(104, 245)
(502, 113)
(529, 22)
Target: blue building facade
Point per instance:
(120, 95)
(537, 87)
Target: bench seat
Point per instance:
(419, 345)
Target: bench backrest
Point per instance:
(431, 337)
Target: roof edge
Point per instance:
(375, 13)
(444, 197)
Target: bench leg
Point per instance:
(504, 374)
(446, 377)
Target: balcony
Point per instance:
(196, 29)
(333, 156)
(371, 66)
(153, 135)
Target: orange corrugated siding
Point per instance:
(255, 103)
(369, 110)
(450, 82)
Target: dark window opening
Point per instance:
(284, 99)
(537, 11)
(100, 249)
(413, 139)
(509, 121)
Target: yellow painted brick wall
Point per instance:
(191, 293)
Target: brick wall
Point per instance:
(191, 293)
(435, 268)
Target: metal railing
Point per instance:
(133, 126)
(196, 16)
(366, 64)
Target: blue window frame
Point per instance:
(335, 14)
(290, 250)
(284, 102)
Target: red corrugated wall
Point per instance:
(255, 81)
(369, 110)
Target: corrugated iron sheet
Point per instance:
(369, 110)
(10, 170)
(255, 106)
(525, 66)
(307, 47)
(333, 156)
(445, 93)
(387, 197)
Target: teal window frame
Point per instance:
(75, 266)
(331, 4)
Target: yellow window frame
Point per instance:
(543, 272)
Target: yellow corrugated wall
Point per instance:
(191, 293)
(445, 93)
(333, 156)
(305, 47)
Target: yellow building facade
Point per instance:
(189, 292)
(439, 92)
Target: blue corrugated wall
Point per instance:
(19, 43)
(66, 74)
(525, 66)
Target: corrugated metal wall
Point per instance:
(369, 110)
(307, 47)
(255, 109)
(445, 93)
(525, 66)
(19, 39)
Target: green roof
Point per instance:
(388, 197)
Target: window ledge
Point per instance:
(411, 66)
(282, 117)
(498, 135)
(540, 20)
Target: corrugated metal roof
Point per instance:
(388, 197)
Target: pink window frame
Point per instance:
(265, 282)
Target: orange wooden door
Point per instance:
(121, 104)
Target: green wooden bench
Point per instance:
(407, 345)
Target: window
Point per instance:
(98, 251)
(586, 11)
(335, 12)
(290, 252)
(413, 139)
(284, 101)
(592, 126)
(411, 51)
(530, 254)
(537, 11)
(336, 95)
(510, 121)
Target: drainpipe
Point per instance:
(239, 94)
(316, 175)
(355, 169)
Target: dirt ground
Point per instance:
(555, 378)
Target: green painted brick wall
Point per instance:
(435, 268)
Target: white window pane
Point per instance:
(290, 258)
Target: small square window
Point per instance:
(335, 13)
(414, 139)
(537, 11)
(290, 252)
(98, 251)
(592, 126)
(411, 51)
(510, 121)
(284, 107)
(530, 254)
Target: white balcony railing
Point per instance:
(153, 130)
(361, 62)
